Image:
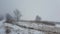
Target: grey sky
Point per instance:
(47, 9)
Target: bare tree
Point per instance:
(38, 18)
(17, 14)
(1, 17)
(9, 18)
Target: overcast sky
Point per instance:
(46, 9)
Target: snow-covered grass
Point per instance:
(16, 29)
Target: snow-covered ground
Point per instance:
(57, 25)
(15, 29)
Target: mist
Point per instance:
(48, 10)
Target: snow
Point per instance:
(15, 29)
(57, 25)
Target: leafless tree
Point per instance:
(38, 18)
(17, 14)
(9, 18)
(1, 17)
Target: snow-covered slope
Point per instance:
(16, 29)
(19, 30)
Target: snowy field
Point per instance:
(15, 29)
(19, 30)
